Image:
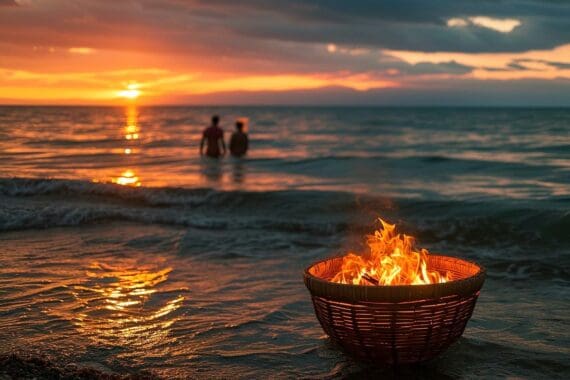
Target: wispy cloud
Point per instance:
(505, 25)
(81, 50)
(457, 22)
(500, 66)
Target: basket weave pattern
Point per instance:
(396, 324)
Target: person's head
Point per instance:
(215, 120)
(239, 125)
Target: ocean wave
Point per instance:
(45, 203)
(414, 161)
(21, 187)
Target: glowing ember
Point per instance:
(392, 260)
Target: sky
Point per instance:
(368, 52)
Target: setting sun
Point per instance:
(131, 92)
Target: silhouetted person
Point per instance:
(239, 141)
(214, 136)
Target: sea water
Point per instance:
(123, 250)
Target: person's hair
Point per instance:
(215, 119)
(239, 125)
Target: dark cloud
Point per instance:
(402, 24)
(8, 3)
(232, 25)
(406, 11)
(172, 28)
(558, 65)
(517, 65)
(520, 64)
(451, 67)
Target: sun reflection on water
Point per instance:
(125, 306)
(132, 129)
(132, 133)
(127, 178)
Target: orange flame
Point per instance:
(392, 260)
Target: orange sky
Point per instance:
(104, 52)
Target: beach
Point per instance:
(122, 250)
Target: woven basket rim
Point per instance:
(394, 293)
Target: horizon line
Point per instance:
(314, 105)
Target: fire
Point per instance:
(392, 260)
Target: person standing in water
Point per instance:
(239, 141)
(214, 136)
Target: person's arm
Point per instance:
(202, 145)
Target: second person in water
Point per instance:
(213, 136)
(239, 141)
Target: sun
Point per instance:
(131, 92)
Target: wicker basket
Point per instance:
(396, 324)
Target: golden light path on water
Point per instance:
(132, 135)
(120, 306)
